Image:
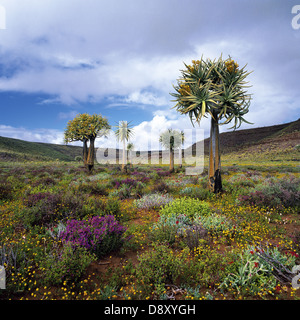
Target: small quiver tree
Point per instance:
(123, 133)
(171, 140)
(86, 128)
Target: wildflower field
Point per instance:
(148, 234)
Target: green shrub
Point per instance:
(216, 223)
(251, 274)
(91, 206)
(78, 158)
(243, 180)
(196, 192)
(6, 191)
(204, 266)
(66, 265)
(168, 227)
(158, 267)
(93, 188)
(126, 191)
(192, 208)
(113, 207)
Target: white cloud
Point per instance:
(37, 135)
(146, 134)
(83, 51)
(146, 98)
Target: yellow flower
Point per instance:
(231, 66)
(184, 89)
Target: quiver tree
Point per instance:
(130, 148)
(87, 128)
(215, 89)
(123, 133)
(171, 140)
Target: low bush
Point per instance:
(192, 208)
(243, 180)
(193, 235)
(204, 266)
(152, 201)
(216, 223)
(45, 208)
(160, 187)
(170, 227)
(113, 207)
(56, 231)
(93, 188)
(251, 274)
(130, 189)
(156, 268)
(66, 265)
(6, 191)
(162, 173)
(196, 192)
(100, 235)
(284, 192)
(41, 208)
(178, 182)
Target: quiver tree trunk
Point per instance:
(85, 152)
(123, 157)
(91, 154)
(214, 169)
(171, 160)
(180, 157)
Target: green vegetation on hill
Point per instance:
(19, 150)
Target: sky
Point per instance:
(121, 58)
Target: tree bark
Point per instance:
(91, 154)
(180, 157)
(171, 160)
(123, 158)
(214, 170)
(85, 152)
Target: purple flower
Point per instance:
(95, 233)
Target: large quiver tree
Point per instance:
(215, 88)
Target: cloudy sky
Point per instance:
(120, 58)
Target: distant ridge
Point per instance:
(284, 135)
(234, 141)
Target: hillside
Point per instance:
(281, 137)
(19, 150)
(271, 141)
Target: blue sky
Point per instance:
(120, 58)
